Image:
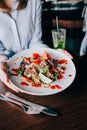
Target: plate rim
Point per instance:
(42, 94)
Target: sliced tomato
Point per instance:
(63, 72)
(54, 69)
(15, 70)
(36, 85)
(60, 77)
(62, 61)
(56, 87)
(36, 61)
(63, 67)
(26, 79)
(53, 87)
(26, 59)
(24, 84)
(35, 55)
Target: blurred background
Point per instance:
(70, 15)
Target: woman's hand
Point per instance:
(66, 53)
(4, 77)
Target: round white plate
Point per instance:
(65, 82)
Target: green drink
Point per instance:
(59, 38)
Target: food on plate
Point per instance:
(41, 69)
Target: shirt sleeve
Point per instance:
(36, 39)
(83, 48)
(3, 57)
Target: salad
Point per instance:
(40, 69)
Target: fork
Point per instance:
(27, 109)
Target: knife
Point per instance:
(49, 111)
(41, 108)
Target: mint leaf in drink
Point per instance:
(61, 44)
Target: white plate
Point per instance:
(65, 82)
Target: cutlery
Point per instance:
(39, 108)
(27, 109)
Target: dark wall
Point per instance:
(74, 35)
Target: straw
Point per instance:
(57, 23)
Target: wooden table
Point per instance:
(71, 104)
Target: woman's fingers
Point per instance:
(66, 53)
(3, 70)
(3, 75)
(4, 78)
(10, 86)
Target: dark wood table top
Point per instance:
(70, 103)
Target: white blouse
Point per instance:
(83, 48)
(22, 29)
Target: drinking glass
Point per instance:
(59, 38)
